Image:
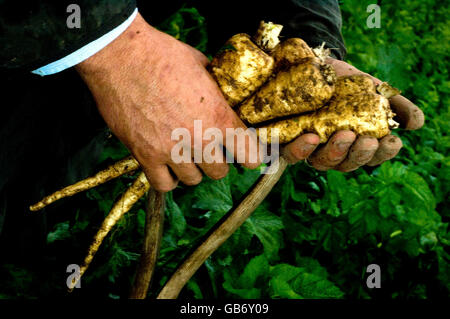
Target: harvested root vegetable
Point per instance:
(300, 88)
(120, 168)
(241, 68)
(354, 84)
(302, 83)
(387, 91)
(267, 36)
(355, 106)
(137, 190)
(291, 51)
(365, 114)
(291, 80)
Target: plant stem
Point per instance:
(154, 222)
(222, 231)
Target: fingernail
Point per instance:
(343, 146)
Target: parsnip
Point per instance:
(291, 51)
(267, 36)
(387, 90)
(354, 84)
(365, 114)
(120, 168)
(300, 88)
(241, 68)
(138, 189)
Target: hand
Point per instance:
(345, 151)
(146, 84)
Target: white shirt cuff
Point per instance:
(87, 51)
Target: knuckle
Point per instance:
(392, 141)
(319, 167)
(347, 166)
(165, 188)
(298, 153)
(192, 181)
(375, 162)
(346, 169)
(335, 161)
(360, 158)
(388, 153)
(366, 143)
(322, 168)
(252, 165)
(329, 159)
(218, 174)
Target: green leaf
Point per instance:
(312, 286)
(257, 268)
(214, 195)
(61, 231)
(285, 272)
(241, 179)
(418, 193)
(252, 293)
(255, 271)
(337, 183)
(267, 227)
(175, 215)
(311, 265)
(193, 286)
(140, 216)
(282, 289)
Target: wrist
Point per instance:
(130, 46)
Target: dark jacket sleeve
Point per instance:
(315, 21)
(35, 33)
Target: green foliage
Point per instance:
(187, 25)
(316, 233)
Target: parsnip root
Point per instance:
(138, 189)
(267, 36)
(241, 68)
(119, 168)
(364, 114)
(300, 88)
(387, 90)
